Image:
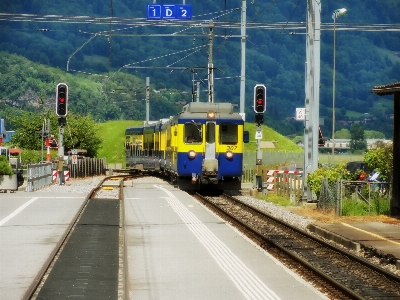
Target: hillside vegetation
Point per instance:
(107, 87)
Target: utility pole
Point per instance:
(210, 64)
(311, 130)
(243, 60)
(147, 100)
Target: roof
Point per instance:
(388, 89)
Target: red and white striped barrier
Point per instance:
(271, 177)
(66, 175)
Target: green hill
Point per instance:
(113, 135)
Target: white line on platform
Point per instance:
(244, 279)
(17, 211)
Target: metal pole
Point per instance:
(210, 65)
(312, 82)
(198, 92)
(61, 179)
(259, 180)
(243, 59)
(147, 99)
(333, 87)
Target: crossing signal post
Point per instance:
(61, 111)
(260, 106)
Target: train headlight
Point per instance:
(211, 114)
(229, 155)
(192, 154)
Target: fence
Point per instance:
(87, 166)
(375, 194)
(38, 176)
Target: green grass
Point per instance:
(378, 206)
(339, 158)
(278, 200)
(113, 135)
(282, 144)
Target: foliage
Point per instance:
(381, 160)
(80, 132)
(373, 134)
(331, 173)
(357, 141)
(378, 206)
(36, 156)
(5, 168)
(364, 59)
(343, 134)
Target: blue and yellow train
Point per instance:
(201, 147)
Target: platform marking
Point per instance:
(17, 211)
(370, 233)
(244, 279)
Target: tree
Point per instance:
(80, 132)
(381, 160)
(357, 141)
(343, 134)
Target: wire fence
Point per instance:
(359, 196)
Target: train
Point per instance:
(199, 148)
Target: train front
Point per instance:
(212, 152)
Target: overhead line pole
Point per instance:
(210, 64)
(311, 130)
(243, 60)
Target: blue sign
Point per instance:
(169, 11)
(153, 11)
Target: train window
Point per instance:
(192, 134)
(228, 133)
(210, 133)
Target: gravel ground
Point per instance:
(74, 186)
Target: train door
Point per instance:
(210, 164)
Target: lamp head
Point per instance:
(338, 13)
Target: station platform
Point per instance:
(381, 237)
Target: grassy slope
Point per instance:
(113, 135)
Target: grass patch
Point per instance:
(377, 206)
(113, 135)
(278, 200)
(282, 144)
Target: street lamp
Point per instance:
(336, 14)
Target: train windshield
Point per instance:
(192, 133)
(228, 133)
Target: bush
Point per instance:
(5, 168)
(331, 173)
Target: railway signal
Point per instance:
(62, 99)
(260, 98)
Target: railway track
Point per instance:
(335, 272)
(89, 259)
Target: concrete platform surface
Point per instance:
(385, 238)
